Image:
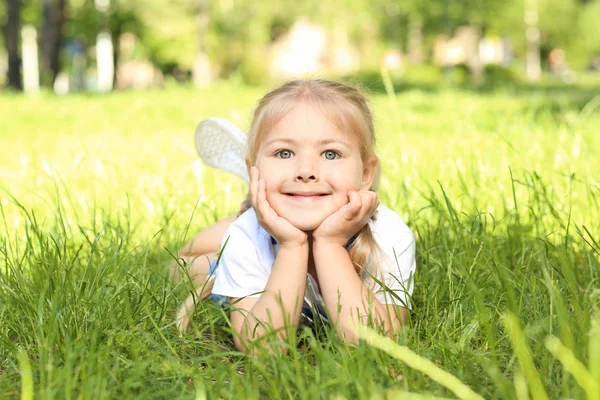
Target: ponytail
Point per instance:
(365, 254)
(245, 206)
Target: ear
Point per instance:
(370, 173)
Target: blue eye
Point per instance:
(284, 154)
(330, 155)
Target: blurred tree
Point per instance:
(359, 21)
(417, 18)
(122, 18)
(235, 34)
(532, 35)
(202, 18)
(51, 39)
(568, 24)
(202, 74)
(246, 29)
(169, 37)
(12, 28)
(411, 22)
(85, 21)
(572, 25)
(588, 38)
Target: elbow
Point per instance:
(350, 336)
(382, 320)
(348, 331)
(261, 344)
(239, 343)
(256, 348)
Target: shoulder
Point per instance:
(245, 234)
(246, 223)
(246, 258)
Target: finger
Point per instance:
(369, 198)
(261, 200)
(373, 200)
(354, 205)
(369, 204)
(261, 195)
(374, 203)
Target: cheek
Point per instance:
(267, 172)
(272, 181)
(346, 178)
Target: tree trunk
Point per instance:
(53, 13)
(415, 39)
(534, 69)
(116, 54)
(11, 40)
(201, 74)
(202, 21)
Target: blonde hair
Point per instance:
(347, 108)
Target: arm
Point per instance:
(348, 301)
(198, 253)
(280, 305)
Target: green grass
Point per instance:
(501, 189)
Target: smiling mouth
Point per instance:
(306, 196)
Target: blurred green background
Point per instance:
(435, 41)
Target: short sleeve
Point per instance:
(396, 263)
(239, 272)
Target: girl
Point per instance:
(312, 229)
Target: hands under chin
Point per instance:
(280, 228)
(349, 219)
(337, 228)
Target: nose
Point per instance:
(307, 169)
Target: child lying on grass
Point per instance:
(312, 235)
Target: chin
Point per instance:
(306, 217)
(305, 223)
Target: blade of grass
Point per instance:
(594, 349)
(417, 362)
(26, 375)
(200, 389)
(517, 339)
(521, 386)
(574, 367)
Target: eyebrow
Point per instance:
(320, 142)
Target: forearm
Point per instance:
(280, 305)
(348, 301)
(198, 253)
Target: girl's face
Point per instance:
(309, 166)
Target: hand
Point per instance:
(340, 226)
(280, 228)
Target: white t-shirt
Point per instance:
(248, 253)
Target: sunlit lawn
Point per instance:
(501, 189)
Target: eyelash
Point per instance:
(278, 154)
